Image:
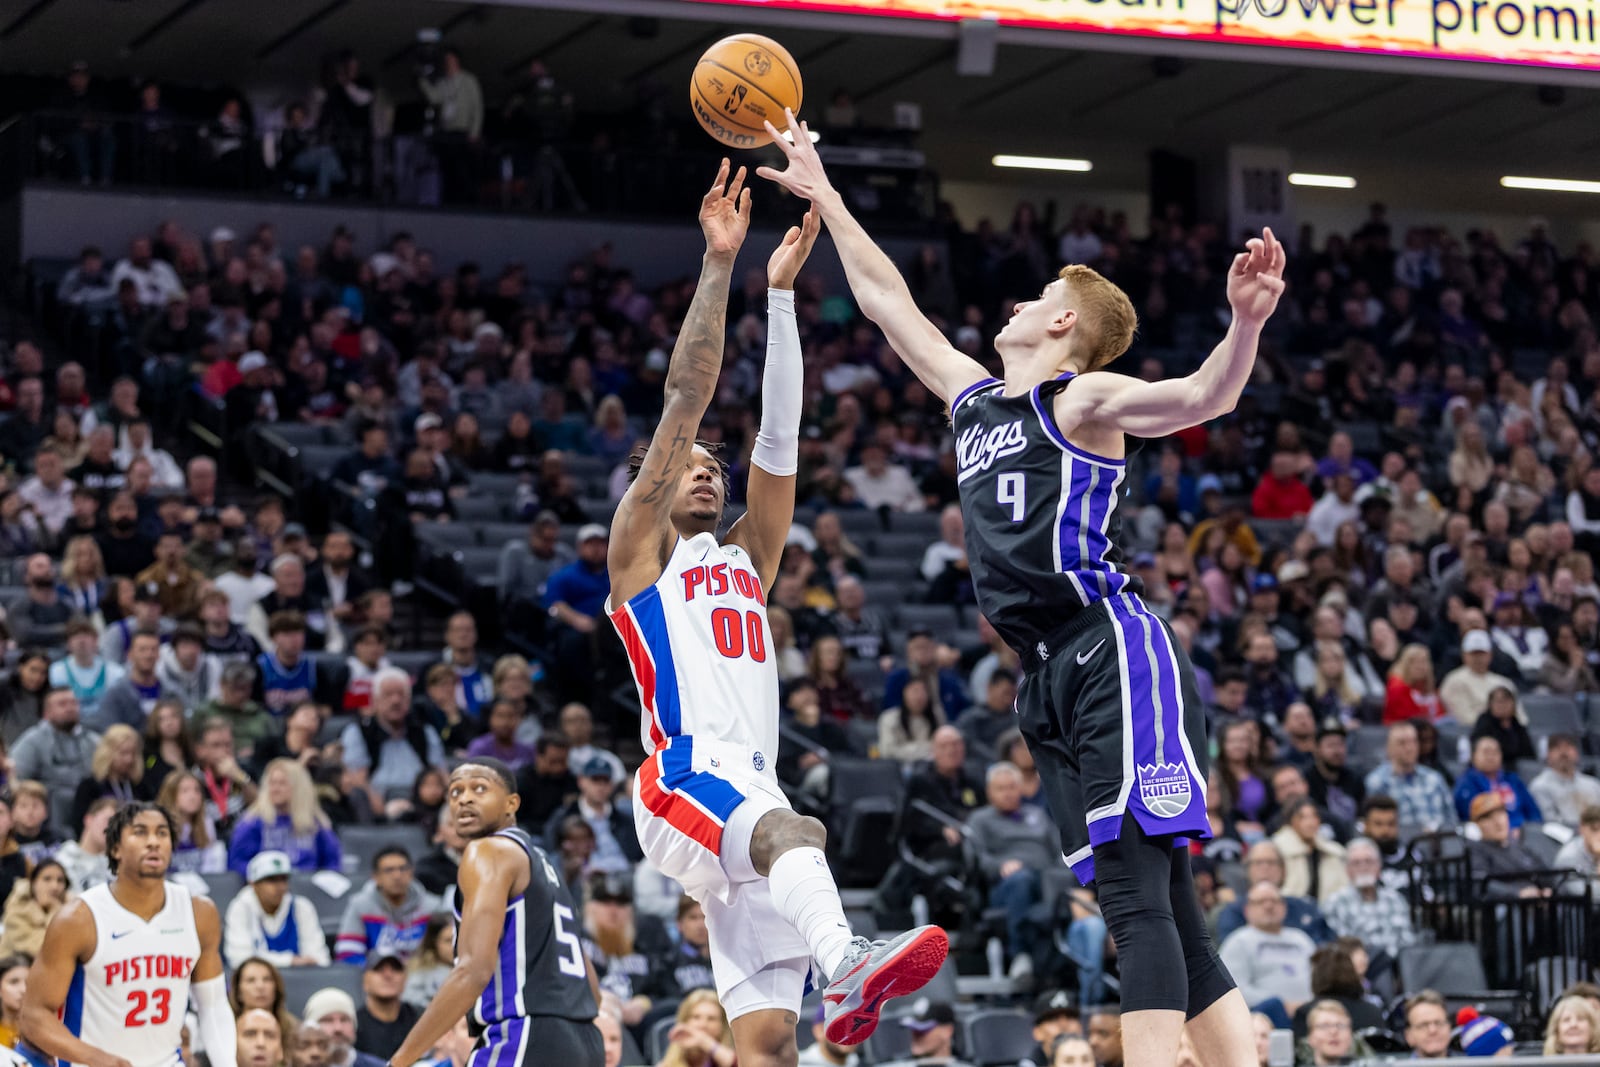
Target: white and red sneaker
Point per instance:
(875, 972)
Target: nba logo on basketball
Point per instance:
(1164, 788)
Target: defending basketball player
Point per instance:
(520, 976)
(1109, 705)
(114, 977)
(691, 611)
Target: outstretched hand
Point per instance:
(804, 176)
(790, 256)
(725, 213)
(1255, 281)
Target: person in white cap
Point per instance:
(333, 1011)
(267, 921)
(1465, 690)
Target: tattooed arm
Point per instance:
(642, 535)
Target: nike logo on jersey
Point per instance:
(978, 447)
(1085, 657)
(124, 933)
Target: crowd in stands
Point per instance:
(1382, 565)
(428, 132)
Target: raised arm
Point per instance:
(1107, 402)
(775, 461)
(209, 989)
(641, 531)
(68, 940)
(879, 289)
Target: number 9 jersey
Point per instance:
(701, 654)
(130, 996)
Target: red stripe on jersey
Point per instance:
(680, 813)
(643, 665)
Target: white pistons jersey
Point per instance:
(702, 656)
(131, 996)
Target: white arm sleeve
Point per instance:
(777, 449)
(216, 1022)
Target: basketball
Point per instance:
(741, 82)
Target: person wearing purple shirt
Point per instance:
(1342, 459)
(501, 740)
(287, 818)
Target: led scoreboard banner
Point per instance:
(1540, 33)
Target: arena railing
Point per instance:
(504, 174)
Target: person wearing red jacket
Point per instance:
(1281, 494)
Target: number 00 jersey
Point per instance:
(1040, 513)
(540, 969)
(130, 997)
(701, 653)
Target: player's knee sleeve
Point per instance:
(1208, 978)
(1131, 874)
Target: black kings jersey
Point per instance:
(541, 967)
(1040, 513)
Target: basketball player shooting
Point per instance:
(114, 976)
(520, 975)
(691, 612)
(1108, 705)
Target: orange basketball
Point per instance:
(740, 82)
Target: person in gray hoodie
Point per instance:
(388, 914)
(186, 672)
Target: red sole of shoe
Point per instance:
(913, 966)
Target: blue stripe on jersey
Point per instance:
(653, 628)
(502, 997)
(72, 1010)
(1047, 417)
(704, 788)
(981, 383)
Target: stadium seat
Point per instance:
(1552, 713)
(924, 524)
(222, 887)
(655, 1045)
(864, 806)
(330, 909)
(364, 842)
(333, 728)
(1455, 969)
(300, 982)
(890, 1042)
(939, 618)
(994, 1038)
(865, 673)
(860, 524)
(884, 595)
(903, 570)
(480, 509)
(415, 661)
(631, 1054)
(447, 537)
(1548, 977)
(900, 546)
(497, 534)
(302, 435)
(318, 461)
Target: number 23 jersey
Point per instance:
(130, 996)
(701, 652)
(1040, 513)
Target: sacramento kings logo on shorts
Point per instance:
(1164, 788)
